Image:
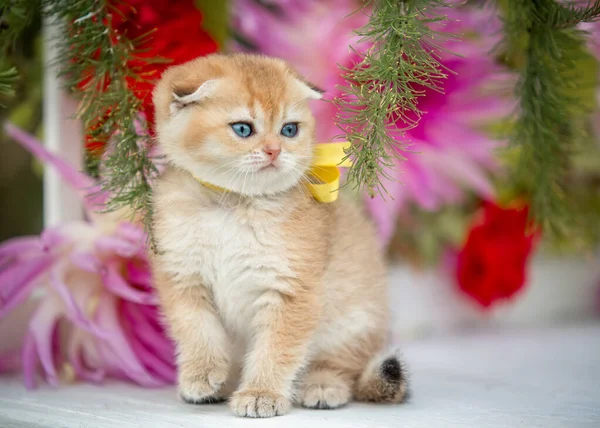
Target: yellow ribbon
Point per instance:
(324, 174)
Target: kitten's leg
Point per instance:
(331, 384)
(326, 387)
(353, 369)
(283, 327)
(202, 343)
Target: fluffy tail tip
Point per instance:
(384, 381)
(391, 369)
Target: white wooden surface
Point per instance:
(528, 378)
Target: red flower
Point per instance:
(176, 35)
(492, 264)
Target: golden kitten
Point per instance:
(266, 292)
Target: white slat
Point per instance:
(62, 135)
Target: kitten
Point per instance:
(248, 263)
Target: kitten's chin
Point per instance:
(263, 182)
(267, 181)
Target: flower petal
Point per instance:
(132, 233)
(139, 274)
(90, 192)
(52, 237)
(117, 245)
(18, 280)
(148, 331)
(74, 312)
(76, 354)
(86, 261)
(115, 282)
(68, 173)
(152, 362)
(17, 247)
(117, 351)
(42, 328)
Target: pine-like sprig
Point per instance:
(15, 15)
(7, 79)
(552, 92)
(381, 96)
(96, 64)
(571, 14)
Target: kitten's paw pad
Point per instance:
(259, 404)
(325, 396)
(202, 388)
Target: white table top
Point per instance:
(547, 377)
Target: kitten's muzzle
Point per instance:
(272, 152)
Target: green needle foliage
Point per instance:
(7, 79)
(555, 97)
(382, 91)
(15, 15)
(570, 14)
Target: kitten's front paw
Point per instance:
(202, 386)
(258, 403)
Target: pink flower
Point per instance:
(450, 155)
(97, 284)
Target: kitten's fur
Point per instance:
(264, 271)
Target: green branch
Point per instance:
(571, 15)
(381, 97)
(15, 16)
(7, 79)
(555, 95)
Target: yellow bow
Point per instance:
(324, 173)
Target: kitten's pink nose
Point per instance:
(272, 152)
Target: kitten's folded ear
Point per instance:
(309, 90)
(182, 99)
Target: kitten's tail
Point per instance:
(384, 381)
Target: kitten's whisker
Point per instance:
(226, 195)
(232, 162)
(243, 188)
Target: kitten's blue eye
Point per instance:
(289, 130)
(242, 129)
